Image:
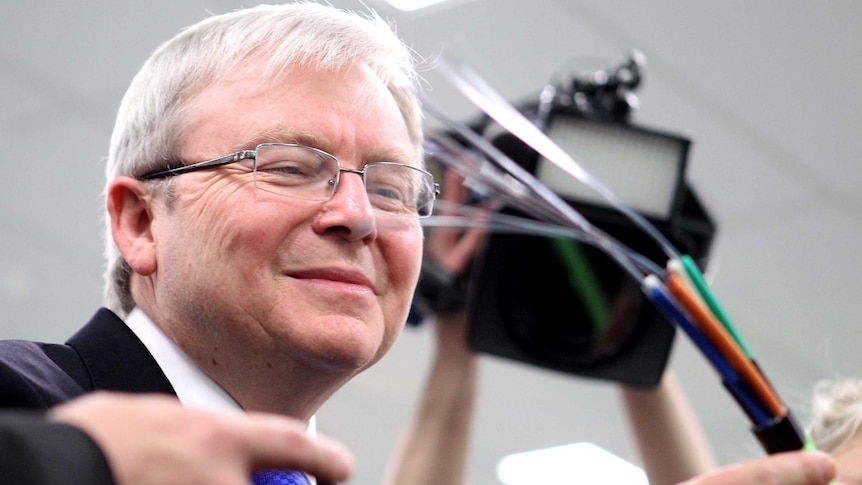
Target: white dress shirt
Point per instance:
(192, 385)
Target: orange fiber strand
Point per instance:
(725, 343)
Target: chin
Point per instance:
(344, 347)
(341, 361)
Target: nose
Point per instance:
(349, 211)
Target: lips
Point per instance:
(334, 275)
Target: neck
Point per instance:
(257, 375)
(282, 389)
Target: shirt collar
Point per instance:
(192, 385)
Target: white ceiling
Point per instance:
(768, 91)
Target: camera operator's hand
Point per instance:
(449, 252)
(453, 248)
(791, 468)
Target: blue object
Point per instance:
(731, 379)
(280, 477)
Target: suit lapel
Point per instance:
(115, 358)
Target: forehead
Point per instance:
(346, 112)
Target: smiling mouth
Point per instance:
(335, 277)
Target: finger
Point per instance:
(464, 250)
(455, 191)
(792, 468)
(440, 239)
(273, 442)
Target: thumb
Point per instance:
(790, 468)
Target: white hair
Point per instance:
(151, 118)
(836, 413)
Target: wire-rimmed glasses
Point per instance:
(303, 172)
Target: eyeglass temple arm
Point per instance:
(216, 162)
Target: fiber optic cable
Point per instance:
(495, 106)
(475, 218)
(705, 292)
(710, 325)
(542, 193)
(678, 290)
(657, 293)
(492, 180)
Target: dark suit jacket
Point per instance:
(35, 451)
(104, 355)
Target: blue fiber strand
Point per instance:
(730, 377)
(758, 413)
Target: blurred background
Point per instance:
(767, 91)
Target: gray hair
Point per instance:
(836, 413)
(151, 119)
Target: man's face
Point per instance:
(247, 274)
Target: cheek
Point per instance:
(405, 256)
(230, 215)
(247, 231)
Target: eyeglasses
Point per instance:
(302, 172)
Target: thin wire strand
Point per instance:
(540, 192)
(488, 180)
(470, 217)
(494, 105)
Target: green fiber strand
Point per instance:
(697, 278)
(583, 281)
(810, 446)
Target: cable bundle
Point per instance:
(678, 289)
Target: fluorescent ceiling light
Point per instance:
(564, 465)
(411, 5)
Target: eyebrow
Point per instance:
(283, 135)
(307, 138)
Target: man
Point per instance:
(263, 195)
(268, 276)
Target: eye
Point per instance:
(389, 192)
(292, 165)
(288, 167)
(389, 199)
(392, 187)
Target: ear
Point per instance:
(128, 204)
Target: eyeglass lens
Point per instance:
(306, 173)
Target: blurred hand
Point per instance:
(153, 439)
(453, 248)
(791, 468)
